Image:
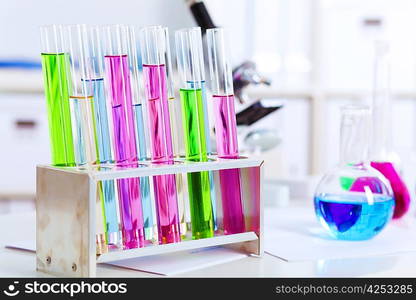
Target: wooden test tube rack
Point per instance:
(66, 214)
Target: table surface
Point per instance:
(14, 263)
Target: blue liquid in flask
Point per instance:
(354, 217)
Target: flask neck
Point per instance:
(381, 104)
(355, 135)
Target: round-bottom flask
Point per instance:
(354, 201)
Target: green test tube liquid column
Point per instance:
(55, 66)
(193, 116)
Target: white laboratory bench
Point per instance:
(15, 263)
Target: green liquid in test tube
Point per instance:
(198, 182)
(55, 76)
(193, 117)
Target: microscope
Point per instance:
(245, 75)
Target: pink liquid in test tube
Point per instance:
(125, 152)
(227, 147)
(162, 152)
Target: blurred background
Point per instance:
(317, 54)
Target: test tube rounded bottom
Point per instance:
(108, 195)
(133, 238)
(101, 243)
(114, 240)
(131, 216)
(233, 217)
(181, 194)
(202, 222)
(167, 209)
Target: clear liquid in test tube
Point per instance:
(177, 139)
(82, 104)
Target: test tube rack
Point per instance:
(66, 201)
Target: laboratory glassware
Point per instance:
(119, 93)
(193, 116)
(153, 48)
(81, 95)
(196, 32)
(225, 130)
(138, 109)
(107, 189)
(381, 154)
(354, 201)
(81, 100)
(177, 137)
(55, 66)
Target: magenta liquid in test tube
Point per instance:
(119, 92)
(225, 130)
(154, 49)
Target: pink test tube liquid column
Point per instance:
(225, 131)
(162, 152)
(227, 147)
(125, 152)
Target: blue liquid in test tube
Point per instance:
(144, 181)
(104, 154)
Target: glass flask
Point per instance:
(381, 155)
(354, 201)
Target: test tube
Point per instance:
(225, 130)
(195, 32)
(117, 70)
(107, 187)
(153, 48)
(55, 66)
(193, 116)
(81, 101)
(177, 136)
(138, 110)
(382, 156)
(81, 95)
